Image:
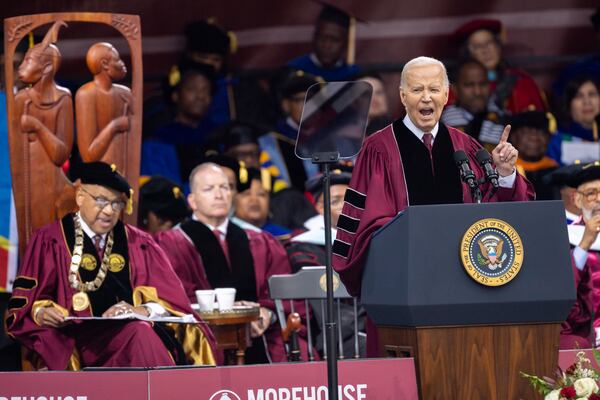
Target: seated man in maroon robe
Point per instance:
(577, 331)
(410, 162)
(207, 251)
(92, 264)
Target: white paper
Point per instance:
(184, 319)
(585, 152)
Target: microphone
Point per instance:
(466, 173)
(491, 175)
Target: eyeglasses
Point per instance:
(477, 47)
(590, 195)
(102, 202)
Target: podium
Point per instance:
(469, 340)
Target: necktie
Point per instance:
(428, 141)
(99, 250)
(223, 244)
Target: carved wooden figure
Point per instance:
(103, 109)
(44, 113)
(41, 116)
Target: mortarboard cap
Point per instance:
(205, 36)
(534, 119)
(163, 197)
(262, 175)
(100, 173)
(296, 82)
(584, 173)
(340, 175)
(561, 176)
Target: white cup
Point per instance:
(206, 299)
(225, 298)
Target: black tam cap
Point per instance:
(561, 176)
(237, 133)
(207, 37)
(262, 175)
(333, 14)
(100, 173)
(533, 119)
(339, 176)
(584, 173)
(297, 82)
(163, 197)
(223, 161)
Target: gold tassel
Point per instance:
(31, 41)
(174, 76)
(552, 125)
(129, 207)
(265, 177)
(233, 42)
(243, 174)
(176, 192)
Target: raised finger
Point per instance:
(505, 133)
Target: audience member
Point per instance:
(329, 46)
(512, 89)
(162, 205)
(308, 249)
(530, 134)
(473, 112)
(278, 147)
(578, 136)
(177, 147)
(577, 330)
(114, 269)
(291, 208)
(251, 204)
(240, 141)
(209, 252)
(379, 112)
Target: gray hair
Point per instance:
(201, 168)
(419, 62)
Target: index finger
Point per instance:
(505, 133)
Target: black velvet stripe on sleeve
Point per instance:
(16, 303)
(24, 283)
(355, 199)
(348, 224)
(340, 248)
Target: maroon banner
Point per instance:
(123, 385)
(358, 380)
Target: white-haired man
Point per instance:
(410, 162)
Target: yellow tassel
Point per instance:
(174, 76)
(113, 167)
(552, 126)
(129, 207)
(265, 178)
(243, 174)
(31, 41)
(233, 42)
(176, 192)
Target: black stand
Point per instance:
(326, 159)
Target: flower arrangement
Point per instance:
(578, 382)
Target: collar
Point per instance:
(290, 121)
(315, 60)
(88, 231)
(419, 133)
(222, 227)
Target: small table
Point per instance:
(232, 330)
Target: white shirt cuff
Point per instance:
(507, 181)
(580, 256)
(156, 310)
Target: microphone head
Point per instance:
(483, 156)
(460, 157)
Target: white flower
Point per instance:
(553, 395)
(585, 387)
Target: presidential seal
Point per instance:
(323, 282)
(491, 252)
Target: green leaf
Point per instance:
(538, 384)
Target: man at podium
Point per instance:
(410, 162)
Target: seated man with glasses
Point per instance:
(576, 331)
(92, 264)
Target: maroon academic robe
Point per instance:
(43, 281)
(378, 192)
(269, 258)
(576, 332)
